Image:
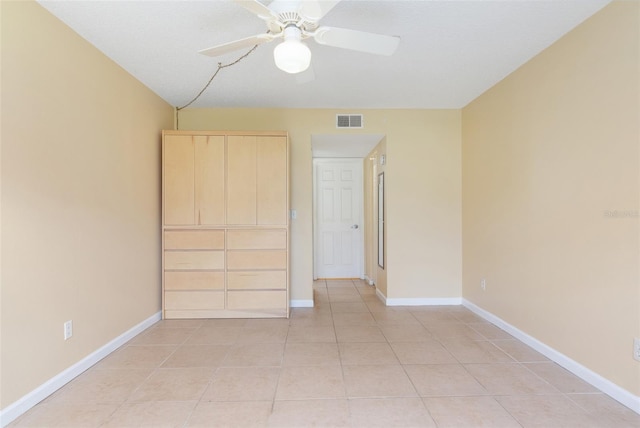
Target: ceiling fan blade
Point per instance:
(238, 44)
(314, 10)
(257, 8)
(357, 40)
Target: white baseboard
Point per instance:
(14, 410)
(589, 376)
(369, 280)
(424, 301)
(301, 303)
(420, 301)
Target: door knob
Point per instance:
(355, 226)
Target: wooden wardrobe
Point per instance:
(225, 224)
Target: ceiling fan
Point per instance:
(297, 20)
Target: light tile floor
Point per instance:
(348, 362)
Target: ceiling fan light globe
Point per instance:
(292, 56)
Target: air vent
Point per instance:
(349, 121)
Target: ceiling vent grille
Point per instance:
(349, 121)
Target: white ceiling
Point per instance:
(450, 51)
(343, 145)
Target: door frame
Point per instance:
(360, 198)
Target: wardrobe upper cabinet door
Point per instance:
(209, 179)
(178, 178)
(271, 166)
(241, 180)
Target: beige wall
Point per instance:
(547, 153)
(422, 180)
(368, 172)
(423, 200)
(372, 169)
(80, 198)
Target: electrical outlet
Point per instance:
(636, 349)
(483, 284)
(68, 329)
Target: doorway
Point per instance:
(338, 204)
(338, 224)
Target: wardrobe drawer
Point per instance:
(194, 280)
(264, 239)
(186, 260)
(194, 300)
(273, 299)
(261, 259)
(257, 280)
(194, 239)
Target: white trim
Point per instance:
(589, 376)
(369, 280)
(16, 409)
(422, 301)
(308, 303)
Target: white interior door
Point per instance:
(338, 218)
